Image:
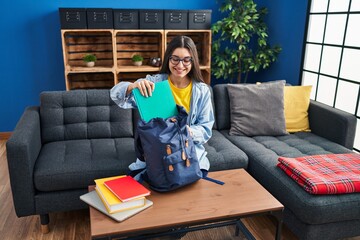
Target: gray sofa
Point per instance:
(60, 147)
(308, 216)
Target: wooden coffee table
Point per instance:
(201, 205)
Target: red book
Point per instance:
(126, 188)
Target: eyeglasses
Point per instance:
(186, 61)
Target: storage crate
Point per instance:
(206, 74)
(100, 18)
(199, 19)
(151, 19)
(132, 76)
(126, 19)
(76, 44)
(176, 19)
(96, 80)
(73, 18)
(202, 40)
(148, 44)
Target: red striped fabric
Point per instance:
(324, 174)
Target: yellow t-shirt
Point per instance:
(182, 95)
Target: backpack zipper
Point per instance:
(183, 152)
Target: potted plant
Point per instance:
(240, 44)
(90, 60)
(137, 60)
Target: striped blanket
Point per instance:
(324, 174)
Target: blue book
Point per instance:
(160, 105)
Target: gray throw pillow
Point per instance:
(257, 109)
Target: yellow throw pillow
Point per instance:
(296, 105)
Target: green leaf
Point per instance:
(241, 40)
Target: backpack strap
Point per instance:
(137, 169)
(204, 176)
(139, 152)
(133, 173)
(139, 175)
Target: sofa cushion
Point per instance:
(222, 106)
(224, 155)
(263, 153)
(82, 114)
(296, 105)
(257, 109)
(74, 164)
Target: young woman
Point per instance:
(181, 68)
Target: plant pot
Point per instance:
(90, 64)
(137, 63)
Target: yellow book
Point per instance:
(111, 202)
(93, 199)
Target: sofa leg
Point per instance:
(44, 223)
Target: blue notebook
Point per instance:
(161, 104)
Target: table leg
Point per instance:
(279, 217)
(240, 226)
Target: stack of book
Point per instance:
(119, 197)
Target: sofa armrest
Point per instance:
(333, 124)
(23, 148)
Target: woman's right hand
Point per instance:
(145, 87)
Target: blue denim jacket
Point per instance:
(200, 119)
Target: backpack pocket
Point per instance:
(181, 169)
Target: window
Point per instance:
(332, 55)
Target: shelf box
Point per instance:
(176, 19)
(126, 19)
(147, 44)
(73, 18)
(199, 19)
(151, 19)
(114, 49)
(202, 40)
(88, 69)
(142, 68)
(96, 80)
(206, 74)
(76, 44)
(132, 76)
(100, 18)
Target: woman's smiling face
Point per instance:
(180, 69)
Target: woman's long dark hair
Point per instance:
(188, 43)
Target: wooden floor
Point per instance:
(76, 225)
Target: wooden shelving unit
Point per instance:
(114, 49)
(147, 43)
